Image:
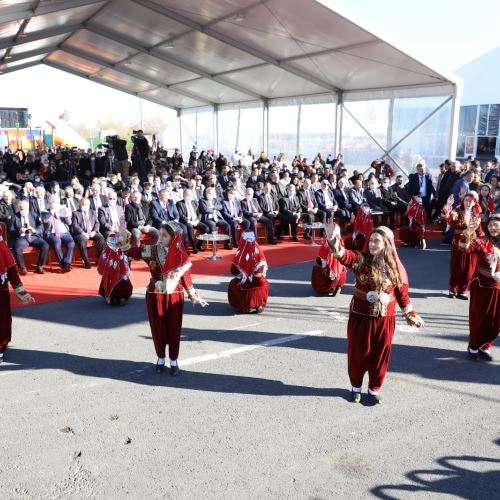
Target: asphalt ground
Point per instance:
(261, 408)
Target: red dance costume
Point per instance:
(328, 273)
(170, 276)
(462, 264)
(8, 274)
(414, 234)
(249, 290)
(484, 308)
(372, 317)
(362, 228)
(113, 265)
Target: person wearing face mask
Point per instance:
(97, 200)
(326, 200)
(148, 194)
(211, 214)
(111, 216)
(138, 219)
(56, 222)
(232, 212)
(85, 227)
(381, 284)
(254, 179)
(289, 213)
(164, 210)
(25, 231)
(373, 197)
(253, 214)
(190, 216)
(135, 185)
(8, 206)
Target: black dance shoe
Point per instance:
(259, 310)
(174, 370)
(355, 397)
(473, 356)
(374, 399)
(462, 296)
(451, 295)
(486, 356)
(160, 368)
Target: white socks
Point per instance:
(373, 393)
(161, 361)
(487, 351)
(356, 389)
(473, 351)
(173, 362)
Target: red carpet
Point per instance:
(55, 286)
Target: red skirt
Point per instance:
(484, 316)
(122, 290)
(369, 343)
(321, 282)
(462, 269)
(412, 236)
(251, 295)
(5, 318)
(165, 312)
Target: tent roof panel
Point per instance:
(49, 42)
(98, 45)
(213, 55)
(172, 99)
(14, 64)
(9, 30)
(122, 80)
(77, 63)
(213, 91)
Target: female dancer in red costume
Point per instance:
(8, 274)
(170, 266)
(249, 290)
(328, 274)
(381, 283)
(484, 310)
(414, 234)
(113, 266)
(362, 228)
(462, 264)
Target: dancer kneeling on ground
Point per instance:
(328, 274)
(413, 235)
(114, 267)
(362, 228)
(170, 266)
(249, 290)
(381, 282)
(8, 274)
(484, 308)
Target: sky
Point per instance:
(445, 33)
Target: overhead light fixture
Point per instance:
(240, 17)
(127, 63)
(169, 45)
(7, 57)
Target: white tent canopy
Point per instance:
(187, 54)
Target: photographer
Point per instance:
(121, 155)
(140, 153)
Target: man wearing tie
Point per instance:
(252, 213)
(290, 212)
(269, 203)
(56, 224)
(210, 210)
(342, 197)
(190, 216)
(309, 204)
(85, 227)
(97, 200)
(39, 203)
(326, 199)
(420, 184)
(111, 216)
(25, 232)
(70, 201)
(232, 213)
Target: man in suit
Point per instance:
(211, 215)
(224, 179)
(85, 227)
(69, 200)
(8, 207)
(190, 216)
(232, 212)
(290, 212)
(148, 196)
(420, 184)
(56, 222)
(326, 199)
(39, 203)
(97, 200)
(26, 232)
(341, 194)
(253, 214)
(309, 204)
(164, 210)
(356, 195)
(269, 203)
(138, 219)
(111, 216)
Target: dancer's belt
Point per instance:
(372, 297)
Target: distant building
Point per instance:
(479, 133)
(14, 117)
